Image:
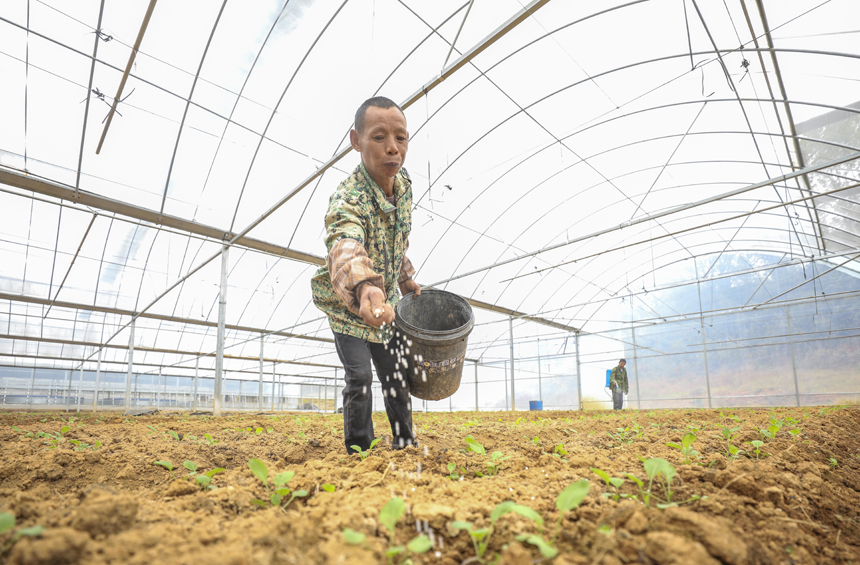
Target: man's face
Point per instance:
(622, 364)
(382, 144)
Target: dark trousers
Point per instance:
(356, 355)
(617, 399)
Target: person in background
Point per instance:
(618, 384)
(368, 222)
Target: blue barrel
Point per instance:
(535, 404)
(608, 372)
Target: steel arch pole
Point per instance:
(222, 318)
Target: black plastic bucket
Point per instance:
(435, 326)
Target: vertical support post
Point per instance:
(260, 396)
(274, 391)
(334, 393)
(793, 362)
(241, 404)
(636, 371)
(222, 319)
(540, 389)
(32, 385)
(158, 391)
(98, 378)
(507, 389)
(80, 386)
(69, 390)
(477, 406)
(130, 365)
(578, 372)
(325, 397)
(704, 346)
(196, 371)
(513, 395)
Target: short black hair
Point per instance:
(376, 102)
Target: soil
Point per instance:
(797, 502)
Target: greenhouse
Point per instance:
(675, 183)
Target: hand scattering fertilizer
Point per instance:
(434, 328)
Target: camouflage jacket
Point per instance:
(359, 211)
(618, 377)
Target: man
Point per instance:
(618, 384)
(367, 233)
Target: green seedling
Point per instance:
(495, 457)
(567, 500)
(328, 487)
(362, 453)
(209, 440)
(7, 522)
(174, 435)
(614, 482)
(280, 481)
(560, 451)
(167, 465)
(833, 462)
(80, 446)
(687, 452)
(770, 432)
(757, 444)
(735, 452)
(352, 537)
(536, 440)
(258, 431)
(794, 433)
(728, 434)
(191, 466)
(475, 446)
(493, 463)
(205, 480)
(388, 517)
(153, 429)
(452, 472)
(622, 436)
(655, 469)
(481, 536)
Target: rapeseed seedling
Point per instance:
(259, 469)
(757, 444)
(481, 536)
(615, 482)
(7, 522)
(388, 517)
(364, 453)
(452, 472)
(167, 465)
(687, 452)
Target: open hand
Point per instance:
(373, 308)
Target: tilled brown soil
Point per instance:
(798, 502)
